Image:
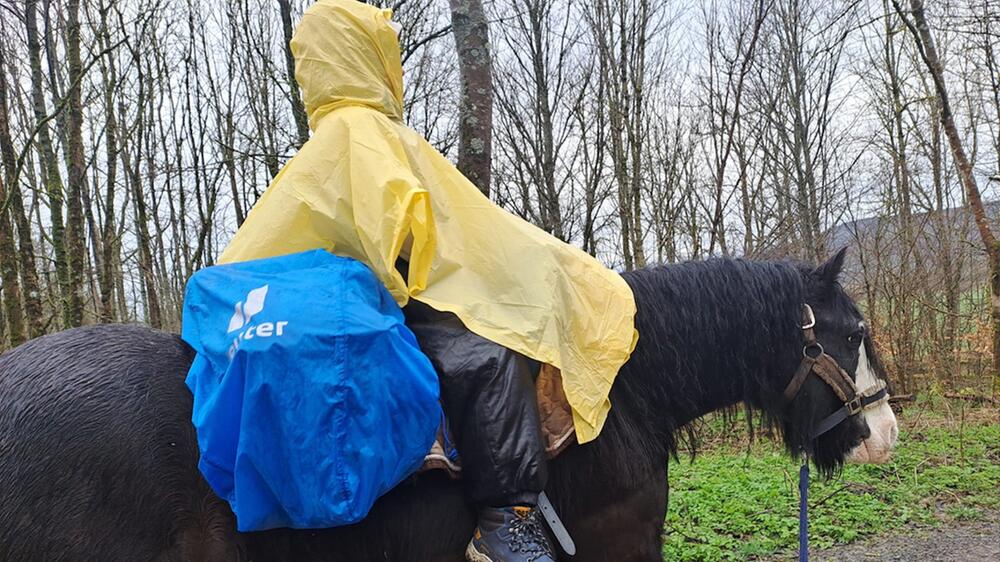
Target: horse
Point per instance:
(98, 457)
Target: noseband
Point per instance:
(816, 360)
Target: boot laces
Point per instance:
(528, 537)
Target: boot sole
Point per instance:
(473, 555)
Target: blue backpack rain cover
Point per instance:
(311, 396)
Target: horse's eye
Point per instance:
(855, 338)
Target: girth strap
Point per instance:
(555, 524)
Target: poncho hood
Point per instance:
(347, 54)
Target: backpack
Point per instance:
(311, 396)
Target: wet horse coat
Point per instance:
(98, 458)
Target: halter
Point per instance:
(816, 360)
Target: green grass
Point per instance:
(733, 505)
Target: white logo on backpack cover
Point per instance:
(244, 312)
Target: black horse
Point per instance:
(98, 457)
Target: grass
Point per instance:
(732, 503)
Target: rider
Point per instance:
(488, 295)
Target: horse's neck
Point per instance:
(708, 393)
(692, 358)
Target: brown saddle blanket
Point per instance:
(555, 414)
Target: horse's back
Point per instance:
(97, 455)
(98, 461)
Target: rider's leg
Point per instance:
(489, 396)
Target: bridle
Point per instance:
(816, 360)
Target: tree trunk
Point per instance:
(76, 245)
(26, 252)
(132, 163)
(949, 351)
(910, 266)
(928, 52)
(3, 331)
(475, 108)
(9, 284)
(50, 166)
(109, 236)
(994, 77)
(298, 110)
(620, 37)
(146, 268)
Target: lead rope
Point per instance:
(804, 511)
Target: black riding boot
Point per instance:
(489, 397)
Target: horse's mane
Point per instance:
(726, 319)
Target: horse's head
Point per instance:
(863, 432)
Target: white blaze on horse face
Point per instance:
(880, 419)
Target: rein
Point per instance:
(816, 360)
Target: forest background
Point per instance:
(135, 137)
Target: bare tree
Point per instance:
(590, 178)
(294, 99)
(10, 286)
(928, 52)
(109, 237)
(10, 176)
(51, 176)
(468, 23)
(621, 30)
(729, 64)
(796, 87)
(145, 149)
(75, 240)
(537, 89)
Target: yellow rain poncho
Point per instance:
(368, 187)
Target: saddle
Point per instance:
(553, 410)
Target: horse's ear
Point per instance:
(828, 272)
